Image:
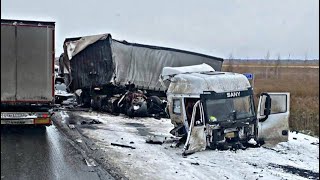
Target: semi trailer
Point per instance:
(109, 72)
(27, 71)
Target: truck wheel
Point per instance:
(154, 105)
(85, 99)
(115, 110)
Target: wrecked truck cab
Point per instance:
(189, 82)
(222, 105)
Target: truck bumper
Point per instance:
(37, 121)
(21, 118)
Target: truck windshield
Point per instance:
(228, 109)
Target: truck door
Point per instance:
(273, 115)
(196, 139)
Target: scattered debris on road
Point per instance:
(122, 145)
(93, 121)
(197, 164)
(155, 140)
(71, 126)
(90, 162)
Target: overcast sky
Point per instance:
(243, 28)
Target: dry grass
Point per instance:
(303, 85)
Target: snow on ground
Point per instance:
(296, 159)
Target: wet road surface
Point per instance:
(33, 153)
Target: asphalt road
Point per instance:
(33, 153)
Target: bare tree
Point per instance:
(305, 56)
(267, 58)
(231, 56)
(278, 64)
(231, 63)
(278, 57)
(305, 63)
(268, 55)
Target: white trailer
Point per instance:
(27, 71)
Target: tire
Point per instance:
(154, 105)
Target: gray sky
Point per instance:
(243, 28)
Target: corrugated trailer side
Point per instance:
(142, 64)
(97, 61)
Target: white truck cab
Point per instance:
(216, 109)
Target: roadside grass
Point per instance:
(303, 85)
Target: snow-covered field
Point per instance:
(296, 159)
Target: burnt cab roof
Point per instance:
(197, 83)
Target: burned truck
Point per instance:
(215, 110)
(122, 77)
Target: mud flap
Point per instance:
(196, 139)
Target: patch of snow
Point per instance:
(90, 162)
(252, 141)
(153, 161)
(71, 126)
(64, 116)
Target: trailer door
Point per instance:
(273, 116)
(8, 63)
(35, 63)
